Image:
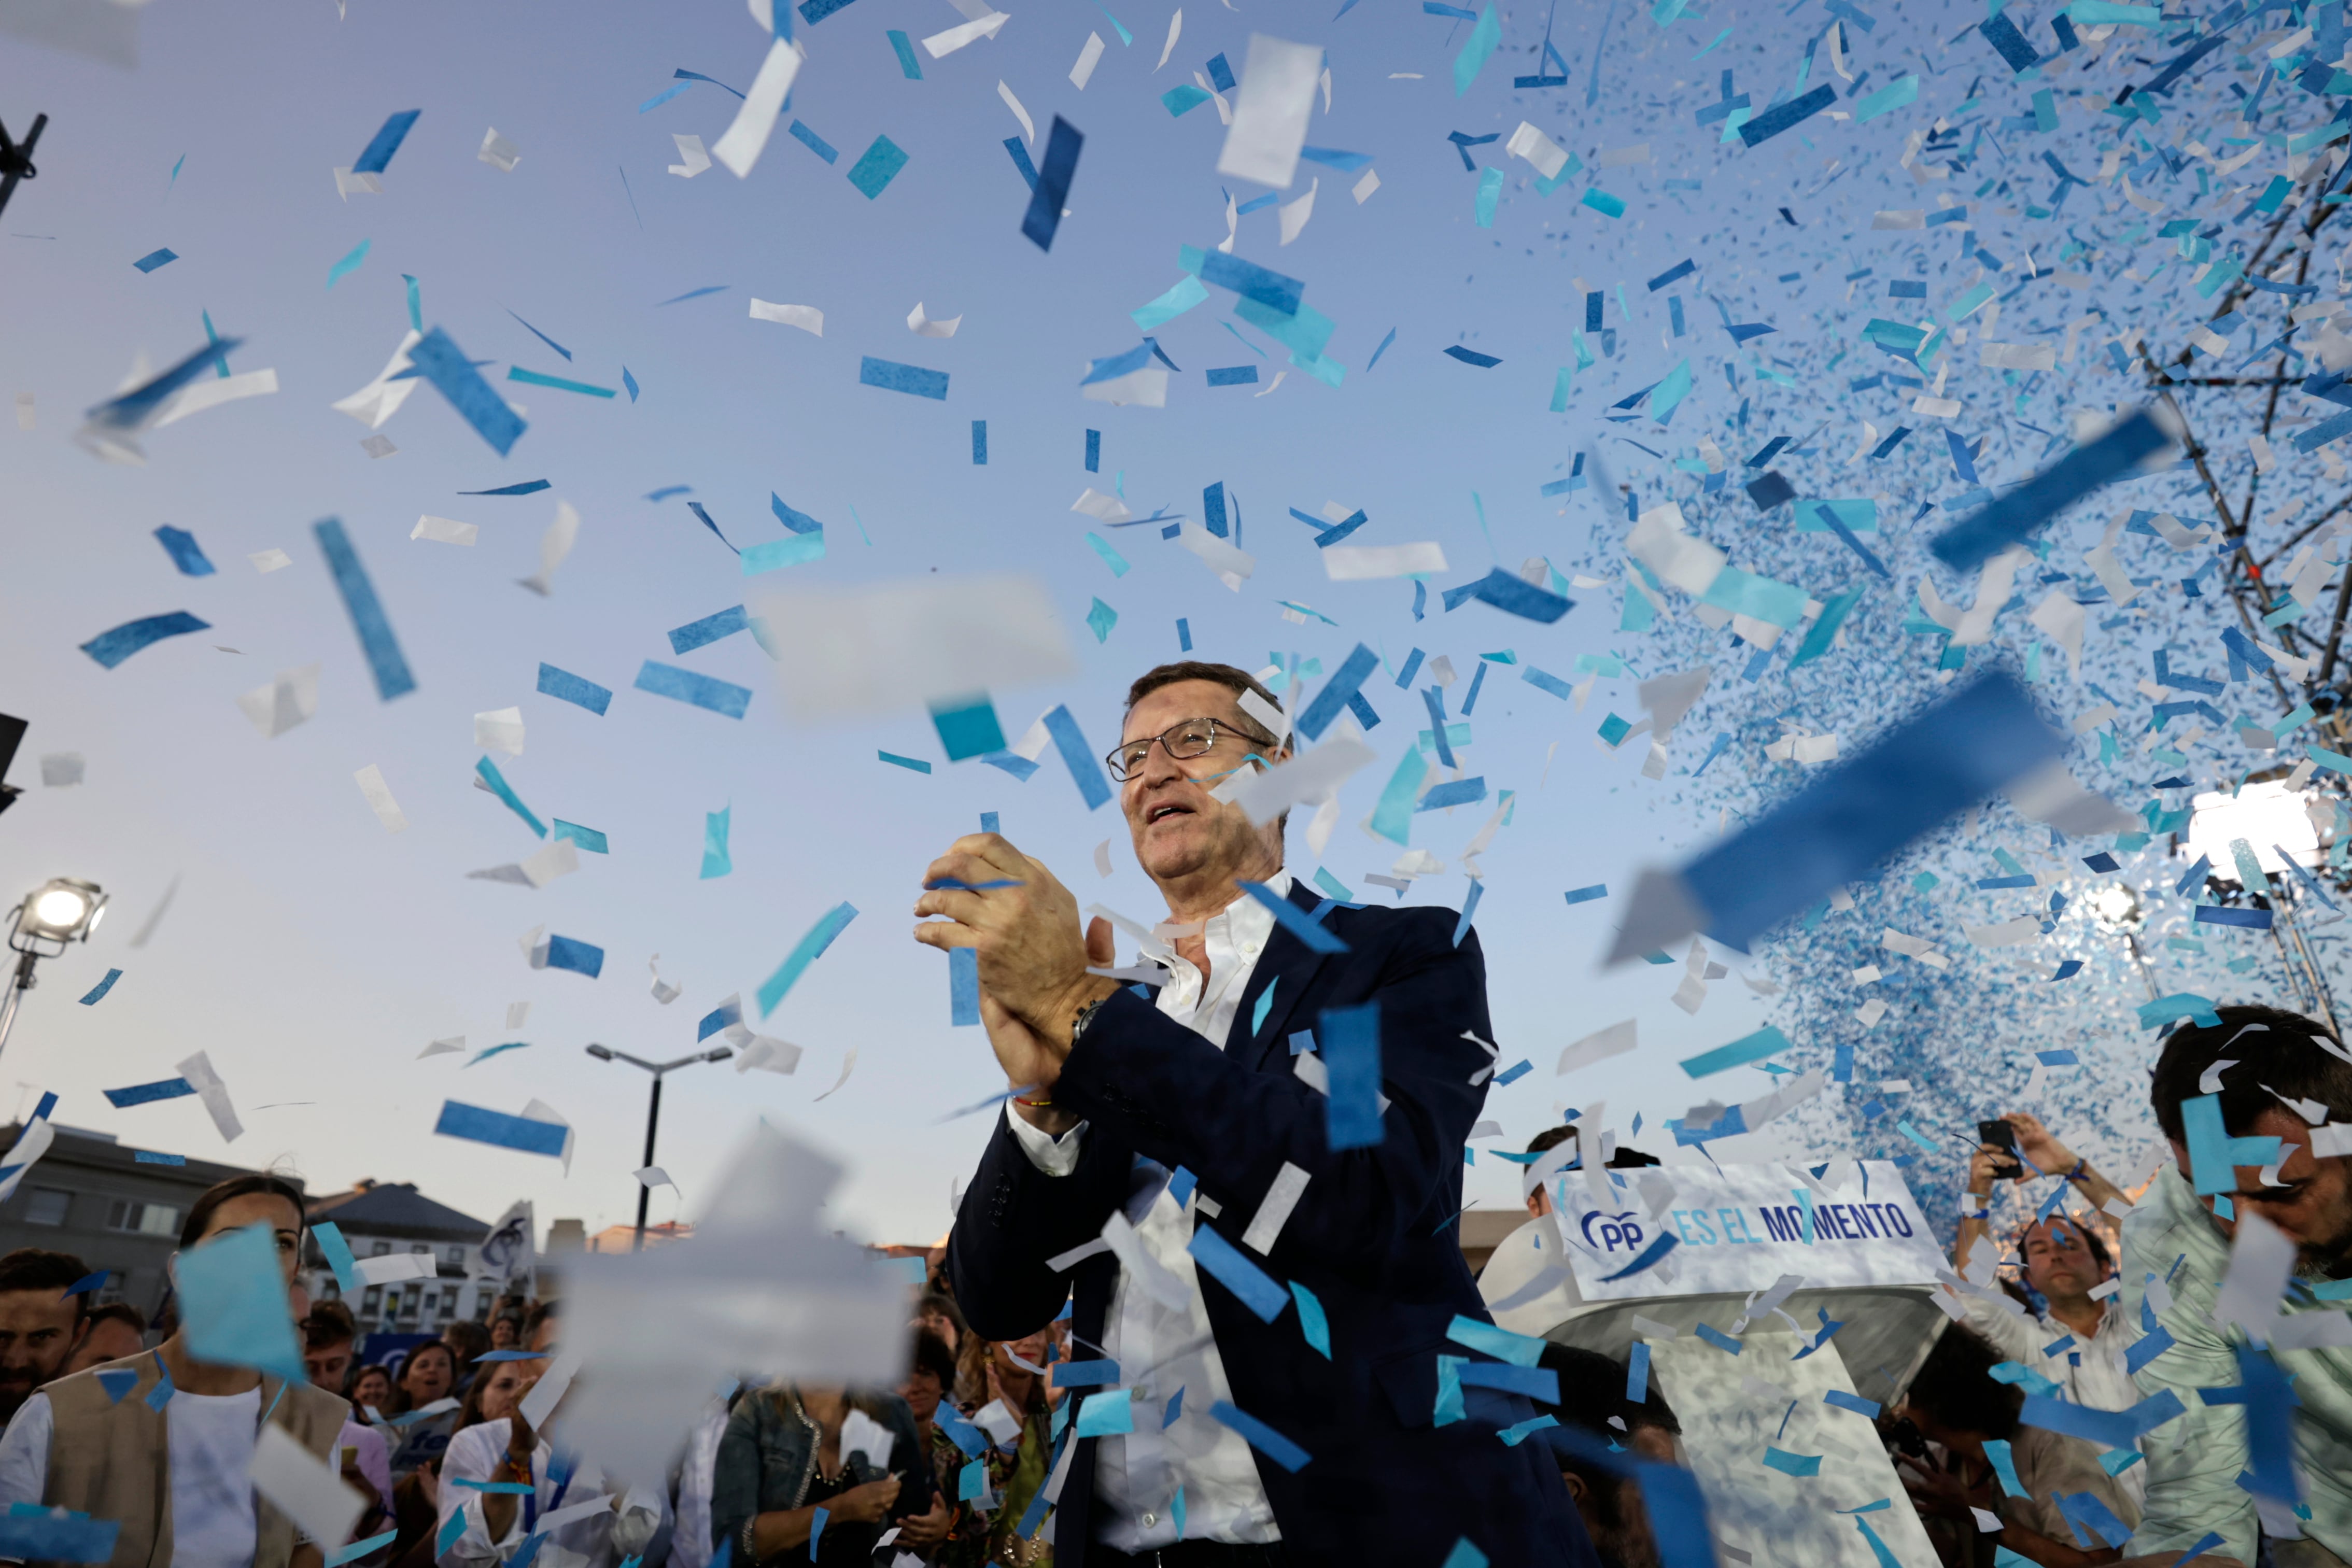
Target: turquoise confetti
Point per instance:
(1490, 195)
(1392, 816)
(810, 948)
(716, 861)
(1311, 1322)
(1476, 51)
(349, 264)
(1111, 557)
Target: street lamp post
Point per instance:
(52, 917)
(653, 1110)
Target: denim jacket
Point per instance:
(767, 1463)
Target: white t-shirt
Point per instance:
(598, 1534)
(690, 1542)
(212, 1438)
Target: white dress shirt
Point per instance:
(2092, 1370)
(1162, 1351)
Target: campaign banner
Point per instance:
(1741, 1227)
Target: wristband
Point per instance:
(2080, 1167)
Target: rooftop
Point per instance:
(396, 1208)
(77, 1146)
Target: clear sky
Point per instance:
(313, 956)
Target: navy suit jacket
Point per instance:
(1372, 1237)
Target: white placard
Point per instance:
(1744, 1227)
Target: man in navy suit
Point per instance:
(1163, 1152)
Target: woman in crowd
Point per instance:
(427, 1375)
(1001, 1388)
(939, 1315)
(494, 1396)
(372, 1389)
(798, 1475)
(495, 1444)
(173, 1470)
(929, 1377)
(418, 1498)
(506, 1331)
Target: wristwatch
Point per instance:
(1086, 1016)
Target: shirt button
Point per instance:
(1149, 1520)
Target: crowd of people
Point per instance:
(956, 1467)
(947, 1469)
(1099, 1371)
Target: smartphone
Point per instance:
(2001, 1135)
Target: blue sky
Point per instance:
(313, 956)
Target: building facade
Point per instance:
(112, 1207)
(624, 1237)
(382, 1217)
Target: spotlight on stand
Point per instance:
(2265, 815)
(2118, 909)
(49, 919)
(2262, 841)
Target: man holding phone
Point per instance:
(2061, 1260)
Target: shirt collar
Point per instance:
(1244, 926)
(2108, 1314)
(1245, 919)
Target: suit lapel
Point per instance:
(1288, 966)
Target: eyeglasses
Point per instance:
(1193, 738)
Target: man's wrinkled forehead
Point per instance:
(1197, 699)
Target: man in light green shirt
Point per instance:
(2289, 1079)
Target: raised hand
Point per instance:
(2035, 1143)
(1024, 924)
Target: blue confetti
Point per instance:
(577, 690)
(385, 662)
(377, 154)
(111, 648)
(720, 696)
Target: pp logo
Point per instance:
(1611, 1231)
